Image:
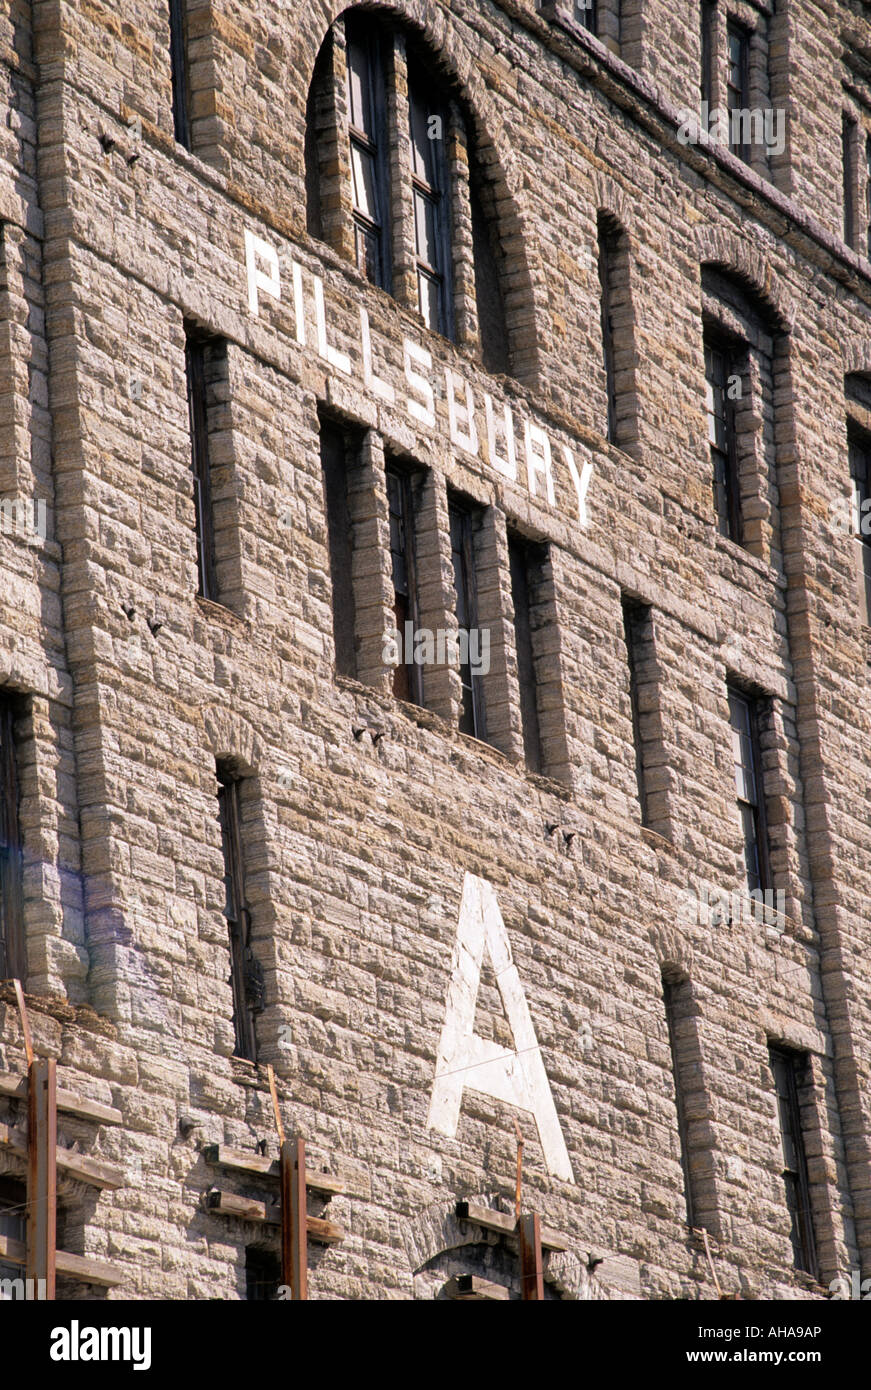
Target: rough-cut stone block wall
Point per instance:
(360, 814)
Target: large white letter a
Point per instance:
(464, 1059)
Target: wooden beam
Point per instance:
(238, 1160)
(506, 1225)
(294, 1232)
(531, 1272)
(42, 1174)
(67, 1101)
(82, 1167)
(469, 1288)
(80, 1267)
(250, 1209)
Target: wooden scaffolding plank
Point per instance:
(81, 1267)
(506, 1225)
(251, 1209)
(93, 1171)
(67, 1101)
(236, 1159)
(469, 1288)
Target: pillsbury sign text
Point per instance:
(478, 426)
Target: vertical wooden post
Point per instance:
(294, 1235)
(531, 1275)
(42, 1174)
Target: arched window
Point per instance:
(392, 182)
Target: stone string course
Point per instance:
(356, 849)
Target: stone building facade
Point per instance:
(290, 298)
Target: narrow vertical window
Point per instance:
(180, 76)
(787, 1068)
(428, 127)
(472, 719)
(13, 1211)
(408, 675)
(245, 974)
(13, 963)
(607, 253)
(868, 196)
(722, 437)
(678, 1001)
(636, 617)
(334, 471)
(738, 88)
(848, 164)
(586, 14)
(195, 363)
(367, 126)
(521, 561)
(744, 720)
(860, 474)
(708, 33)
(262, 1275)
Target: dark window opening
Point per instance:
(608, 242)
(868, 195)
(721, 377)
(178, 50)
(744, 721)
(408, 675)
(488, 292)
(197, 352)
(738, 87)
(246, 976)
(367, 129)
(472, 720)
(678, 1001)
(431, 206)
(789, 1068)
(262, 1275)
(13, 956)
(334, 469)
(525, 562)
(13, 1213)
(636, 622)
(860, 474)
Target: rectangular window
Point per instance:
(408, 676)
(334, 472)
(636, 620)
(525, 563)
(369, 180)
(196, 353)
(13, 962)
(428, 127)
(678, 999)
(13, 1210)
(720, 373)
(744, 720)
(738, 86)
(788, 1068)
(868, 196)
(245, 975)
(860, 474)
(708, 30)
(262, 1275)
(472, 719)
(607, 255)
(849, 132)
(180, 76)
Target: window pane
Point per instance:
(368, 253)
(360, 87)
(363, 180)
(422, 148)
(430, 296)
(426, 226)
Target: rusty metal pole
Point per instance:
(294, 1233)
(42, 1175)
(531, 1274)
